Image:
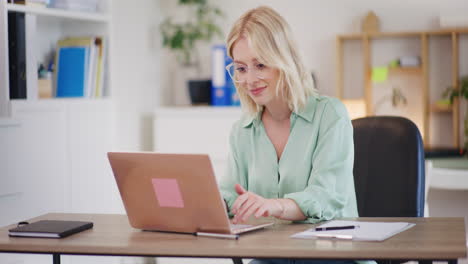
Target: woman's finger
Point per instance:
(245, 207)
(252, 209)
(239, 201)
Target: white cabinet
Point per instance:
(57, 156)
(40, 158)
(196, 130)
(9, 184)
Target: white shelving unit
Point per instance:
(44, 27)
(100, 18)
(55, 148)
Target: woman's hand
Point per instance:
(249, 203)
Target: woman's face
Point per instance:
(258, 79)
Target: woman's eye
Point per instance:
(261, 66)
(241, 69)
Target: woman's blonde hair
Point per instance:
(270, 37)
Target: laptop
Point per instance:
(173, 193)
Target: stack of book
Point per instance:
(37, 3)
(80, 67)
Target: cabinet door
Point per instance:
(9, 187)
(33, 166)
(39, 163)
(91, 184)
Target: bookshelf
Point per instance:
(421, 77)
(43, 28)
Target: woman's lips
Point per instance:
(257, 91)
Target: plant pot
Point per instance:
(200, 91)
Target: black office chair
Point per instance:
(388, 168)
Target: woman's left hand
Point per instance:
(249, 203)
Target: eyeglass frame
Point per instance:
(232, 77)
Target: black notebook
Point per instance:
(50, 228)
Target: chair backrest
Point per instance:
(388, 167)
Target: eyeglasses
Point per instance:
(239, 72)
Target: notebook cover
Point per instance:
(50, 228)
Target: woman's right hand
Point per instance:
(249, 203)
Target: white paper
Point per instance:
(366, 231)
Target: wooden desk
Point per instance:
(430, 239)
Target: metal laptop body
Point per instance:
(171, 192)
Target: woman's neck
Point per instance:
(278, 111)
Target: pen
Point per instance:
(227, 236)
(334, 228)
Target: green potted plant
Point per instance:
(460, 91)
(182, 38)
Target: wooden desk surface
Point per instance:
(431, 238)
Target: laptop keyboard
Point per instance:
(239, 227)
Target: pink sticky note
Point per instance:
(168, 192)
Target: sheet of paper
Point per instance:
(366, 231)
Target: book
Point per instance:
(77, 64)
(17, 55)
(50, 229)
(99, 85)
(364, 231)
(72, 64)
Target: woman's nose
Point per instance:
(251, 77)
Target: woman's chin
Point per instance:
(258, 99)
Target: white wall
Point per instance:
(316, 23)
(135, 70)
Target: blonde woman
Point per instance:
(291, 155)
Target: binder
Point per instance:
(50, 229)
(221, 84)
(17, 55)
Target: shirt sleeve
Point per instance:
(234, 173)
(331, 182)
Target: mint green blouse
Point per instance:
(316, 166)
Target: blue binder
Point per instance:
(223, 91)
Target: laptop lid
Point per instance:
(170, 192)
